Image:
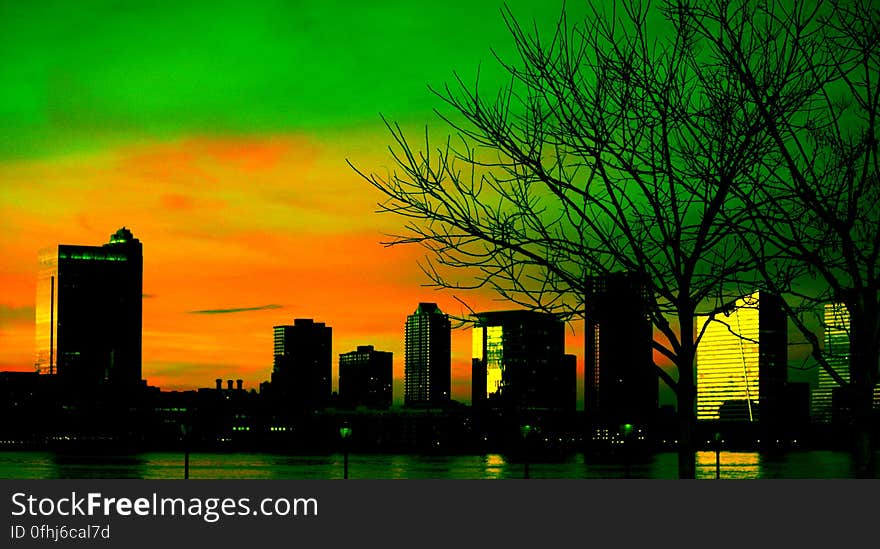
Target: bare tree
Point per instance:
(812, 72)
(614, 147)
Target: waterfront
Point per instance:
(167, 465)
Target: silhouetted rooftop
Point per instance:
(428, 308)
(121, 236)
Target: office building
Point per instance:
(836, 352)
(427, 357)
(302, 372)
(89, 313)
(742, 362)
(828, 398)
(519, 362)
(620, 380)
(365, 377)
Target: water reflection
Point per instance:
(168, 465)
(733, 465)
(818, 464)
(493, 466)
(86, 466)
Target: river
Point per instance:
(167, 465)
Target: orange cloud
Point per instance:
(177, 202)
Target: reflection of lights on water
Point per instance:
(398, 467)
(495, 460)
(738, 465)
(494, 465)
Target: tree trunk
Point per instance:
(862, 446)
(686, 394)
(863, 377)
(863, 452)
(687, 460)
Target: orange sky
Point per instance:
(279, 224)
(218, 133)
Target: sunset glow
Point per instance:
(219, 136)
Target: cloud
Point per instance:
(177, 202)
(236, 310)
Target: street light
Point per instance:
(345, 433)
(626, 431)
(185, 430)
(717, 455)
(525, 431)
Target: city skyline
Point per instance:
(51, 257)
(219, 134)
(519, 366)
(278, 332)
(618, 206)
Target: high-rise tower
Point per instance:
(620, 381)
(427, 357)
(742, 362)
(302, 370)
(89, 313)
(365, 377)
(824, 405)
(519, 362)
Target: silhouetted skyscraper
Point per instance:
(742, 362)
(621, 384)
(427, 359)
(773, 357)
(89, 313)
(520, 362)
(301, 378)
(365, 377)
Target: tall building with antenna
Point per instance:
(89, 313)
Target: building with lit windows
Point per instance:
(519, 362)
(427, 357)
(742, 362)
(826, 400)
(836, 351)
(302, 369)
(620, 380)
(365, 377)
(89, 313)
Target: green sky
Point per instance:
(234, 110)
(79, 76)
(218, 132)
